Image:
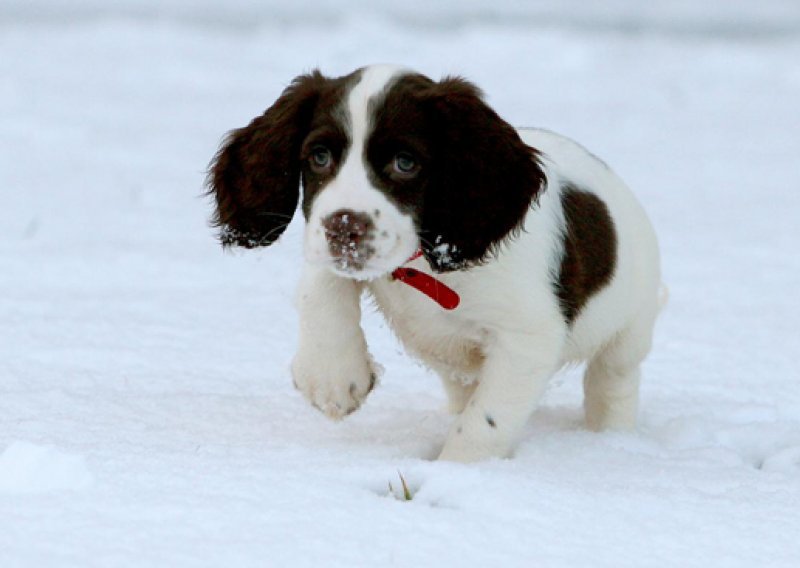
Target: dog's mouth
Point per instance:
(355, 244)
(350, 257)
(363, 261)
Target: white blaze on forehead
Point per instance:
(374, 80)
(352, 176)
(394, 235)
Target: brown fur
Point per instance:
(255, 177)
(590, 246)
(478, 178)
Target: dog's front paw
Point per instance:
(337, 385)
(476, 436)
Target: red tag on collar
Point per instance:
(427, 284)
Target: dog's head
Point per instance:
(390, 162)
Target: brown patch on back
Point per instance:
(590, 250)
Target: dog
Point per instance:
(497, 255)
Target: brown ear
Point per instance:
(485, 179)
(255, 176)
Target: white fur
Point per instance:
(395, 238)
(497, 350)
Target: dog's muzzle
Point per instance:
(349, 235)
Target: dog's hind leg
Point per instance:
(611, 381)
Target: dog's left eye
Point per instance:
(321, 159)
(404, 165)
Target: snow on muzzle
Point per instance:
(350, 237)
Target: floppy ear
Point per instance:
(255, 176)
(484, 180)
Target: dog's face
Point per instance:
(390, 162)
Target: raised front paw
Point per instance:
(336, 386)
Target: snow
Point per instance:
(27, 468)
(146, 413)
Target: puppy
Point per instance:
(496, 255)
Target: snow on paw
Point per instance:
(336, 387)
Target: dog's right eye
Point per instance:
(321, 159)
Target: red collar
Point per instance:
(427, 284)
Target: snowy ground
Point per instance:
(146, 412)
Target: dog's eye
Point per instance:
(404, 165)
(321, 159)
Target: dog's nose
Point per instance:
(349, 234)
(346, 226)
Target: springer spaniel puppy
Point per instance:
(496, 255)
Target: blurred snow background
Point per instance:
(743, 18)
(146, 413)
